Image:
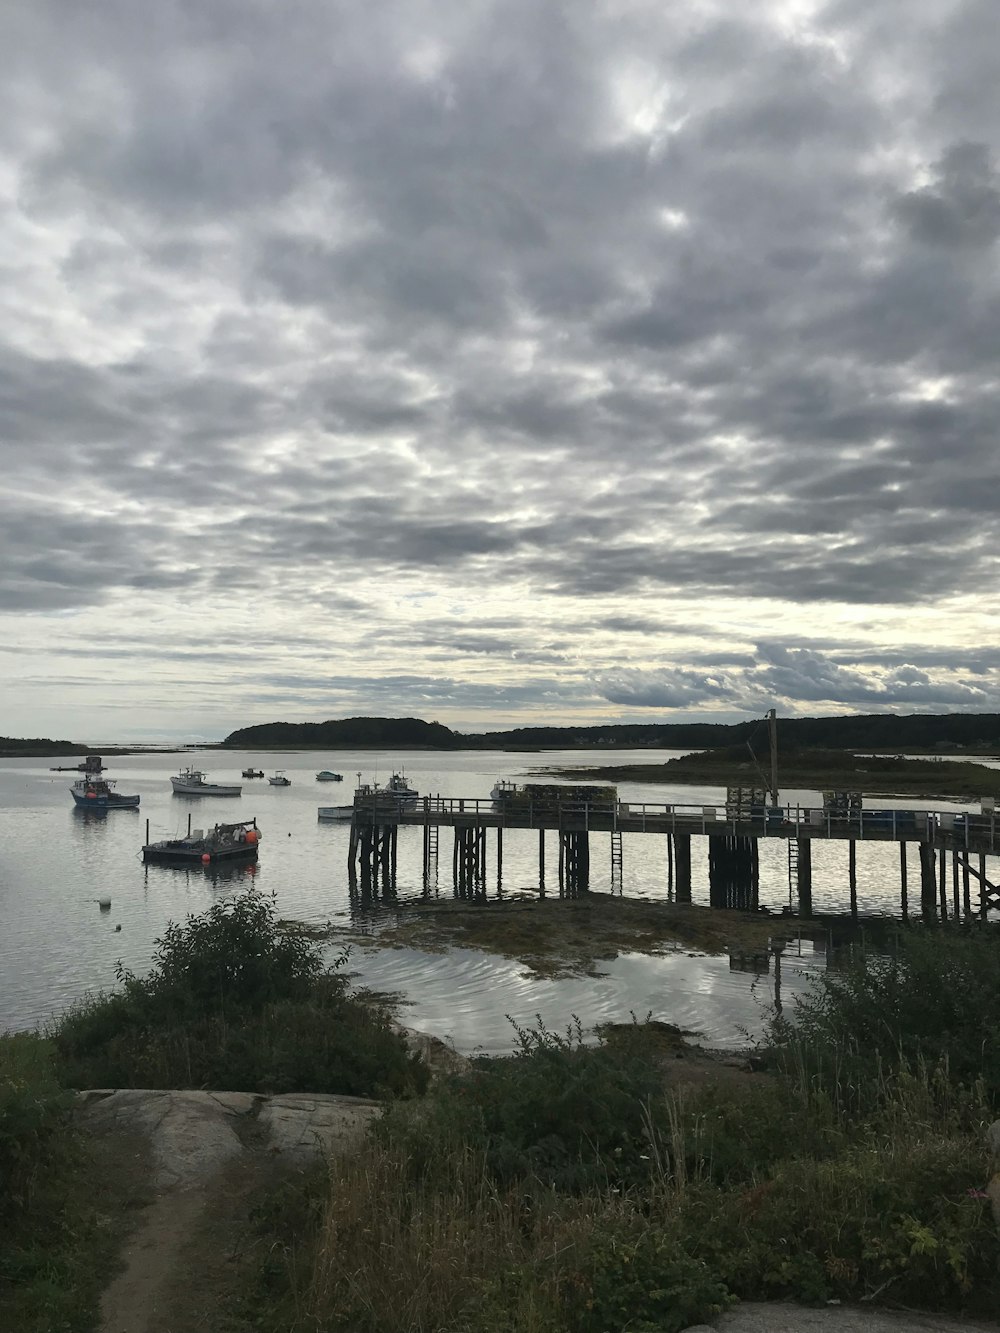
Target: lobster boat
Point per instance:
(223, 842)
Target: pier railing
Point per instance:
(942, 828)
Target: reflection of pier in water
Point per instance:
(952, 847)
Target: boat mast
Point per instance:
(772, 733)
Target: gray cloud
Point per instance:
(410, 343)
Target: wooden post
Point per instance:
(682, 858)
(966, 893)
(928, 884)
(984, 902)
(852, 875)
(541, 860)
(954, 883)
(904, 905)
(499, 858)
(943, 884)
(804, 875)
(670, 867)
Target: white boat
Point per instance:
(279, 779)
(398, 787)
(503, 790)
(327, 775)
(193, 782)
(335, 813)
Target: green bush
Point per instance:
(930, 1004)
(55, 1244)
(235, 1001)
(644, 1280)
(33, 1107)
(569, 1115)
(900, 1218)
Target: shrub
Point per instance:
(569, 1115)
(235, 1001)
(931, 1004)
(33, 1109)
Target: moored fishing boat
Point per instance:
(253, 772)
(335, 813)
(93, 793)
(327, 775)
(224, 842)
(279, 779)
(503, 790)
(193, 782)
(398, 787)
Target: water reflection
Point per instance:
(56, 862)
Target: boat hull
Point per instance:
(335, 813)
(112, 802)
(179, 855)
(225, 842)
(182, 788)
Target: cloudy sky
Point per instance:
(499, 363)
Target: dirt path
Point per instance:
(204, 1158)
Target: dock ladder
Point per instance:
(793, 871)
(616, 859)
(431, 832)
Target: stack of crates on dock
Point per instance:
(547, 798)
(745, 803)
(842, 807)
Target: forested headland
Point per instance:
(916, 733)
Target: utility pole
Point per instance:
(772, 732)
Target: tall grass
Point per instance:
(57, 1232)
(573, 1187)
(932, 1004)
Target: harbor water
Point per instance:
(57, 943)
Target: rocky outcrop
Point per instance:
(191, 1135)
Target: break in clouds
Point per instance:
(499, 363)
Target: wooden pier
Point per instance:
(946, 840)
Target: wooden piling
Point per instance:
(852, 876)
(682, 858)
(984, 902)
(903, 904)
(954, 884)
(928, 883)
(943, 885)
(804, 876)
(966, 887)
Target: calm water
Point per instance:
(56, 944)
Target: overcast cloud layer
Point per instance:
(496, 363)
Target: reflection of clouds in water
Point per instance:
(464, 996)
(53, 864)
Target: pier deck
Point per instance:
(971, 832)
